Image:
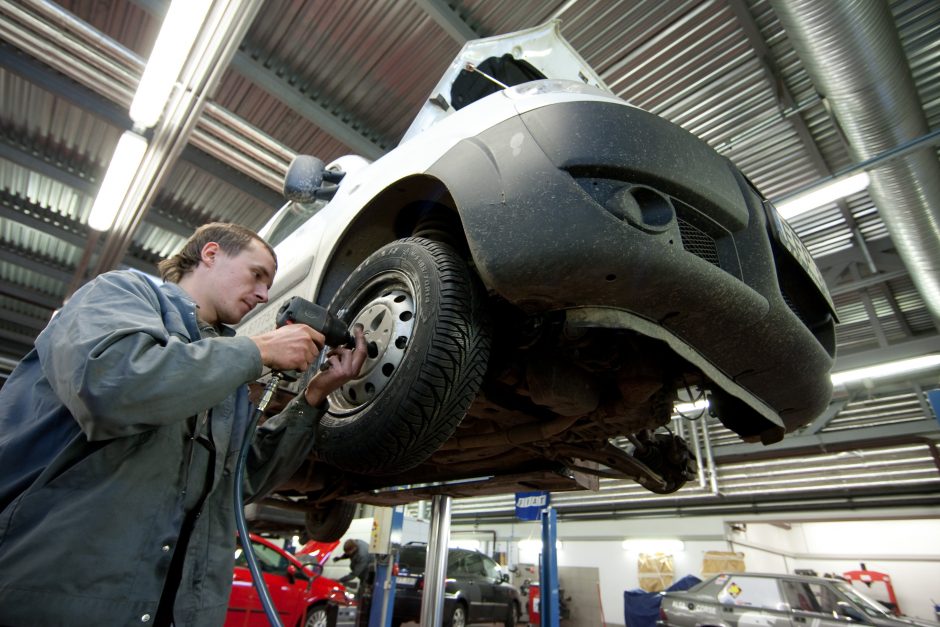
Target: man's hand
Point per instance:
(342, 365)
(291, 347)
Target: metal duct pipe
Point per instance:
(853, 55)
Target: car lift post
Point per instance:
(432, 598)
(548, 570)
(386, 536)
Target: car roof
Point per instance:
(787, 576)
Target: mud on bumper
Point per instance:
(628, 221)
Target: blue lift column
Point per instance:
(386, 541)
(548, 570)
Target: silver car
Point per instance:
(752, 600)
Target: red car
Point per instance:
(302, 596)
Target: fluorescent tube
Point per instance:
(688, 407)
(887, 369)
(127, 157)
(173, 45)
(839, 188)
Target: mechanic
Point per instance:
(119, 434)
(357, 551)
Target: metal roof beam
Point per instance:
(257, 73)
(30, 295)
(59, 85)
(23, 342)
(302, 104)
(448, 19)
(23, 320)
(21, 157)
(29, 214)
(864, 437)
(894, 352)
(35, 262)
(63, 87)
(22, 211)
(870, 281)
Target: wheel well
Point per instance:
(310, 608)
(417, 205)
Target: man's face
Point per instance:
(240, 282)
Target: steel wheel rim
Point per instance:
(387, 311)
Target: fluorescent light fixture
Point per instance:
(839, 188)
(124, 164)
(173, 45)
(653, 545)
(688, 407)
(887, 369)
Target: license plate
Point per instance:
(406, 581)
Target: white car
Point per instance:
(541, 267)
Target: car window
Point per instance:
(269, 560)
(473, 565)
(870, 606)
(412, 558)
(827, 600)
(800, 596)
(753, 592)
(491, 569)
(457, 566)
(289, 219)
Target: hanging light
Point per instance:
(127, 157)
(888, 369)
(838, 188)
(173, 45)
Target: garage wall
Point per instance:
(908, 550)
(907, 547)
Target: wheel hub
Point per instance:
(388, 323)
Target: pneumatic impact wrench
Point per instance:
(294, 311)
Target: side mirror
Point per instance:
(304, 178)
(504, 578)
(291, 573)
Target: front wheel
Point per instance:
(330, 522)
(426, 327)
(512, 615)
(317, 617)
(458, 617)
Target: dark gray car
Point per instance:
(751, 600)
(475, 590)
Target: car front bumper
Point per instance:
(627, 221)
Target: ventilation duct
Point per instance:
(853, 55)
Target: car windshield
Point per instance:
(289, 219)
(869, 606)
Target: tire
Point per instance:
(317, 616)
(329, 523)
(512, 615)
(427, 327)
(457, 618)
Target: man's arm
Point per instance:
(110, 359)
(283, 442)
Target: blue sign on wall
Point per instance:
(529, 505)
(934, 397)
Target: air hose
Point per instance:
(256, 576)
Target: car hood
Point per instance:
(542, 47)
(317, 552)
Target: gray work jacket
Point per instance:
(94, 455)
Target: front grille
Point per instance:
(698, 242)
